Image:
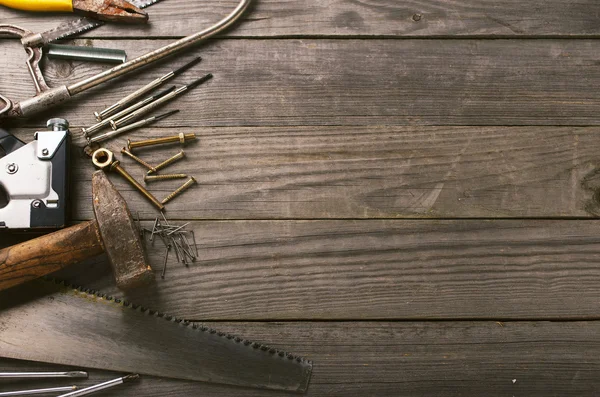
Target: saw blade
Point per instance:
(82, 25)
(51, 322)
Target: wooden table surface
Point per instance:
(403, 192)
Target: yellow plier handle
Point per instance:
(39, 5)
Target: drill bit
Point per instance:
(110, 10)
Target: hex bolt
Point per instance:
(139, 160)
(166, 177)
(104, 160)
(181, 138)
(177, 192)
(168, 162)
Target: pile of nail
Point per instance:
(175, 237)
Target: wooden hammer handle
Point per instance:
(47, 254)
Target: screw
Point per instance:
(36, 204)
(168, 162)
(153, 178)
(177, 192)
(181, 138)
(12, 168)
(139, 160)
(45, 152)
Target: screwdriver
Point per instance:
(104, 10)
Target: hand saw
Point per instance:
(51, 322)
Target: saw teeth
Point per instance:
(200, 328)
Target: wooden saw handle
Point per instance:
(47, 254)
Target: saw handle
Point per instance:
(50, 253)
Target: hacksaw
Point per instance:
(52, 322)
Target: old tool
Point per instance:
(104, 10)
(181, 138)
(38, 391)
(144, 90)
(43, 375)
(41, 322)
(168, 162)
(104, 159)
(165, 177)
(47, 98)
(87, 132)
(102, 386)
(112, 232)
(86, 54)
(117, 123)
(182, 189)
(35, 178)
(139, 124)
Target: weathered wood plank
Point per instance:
(408, 359)
(364, 172)
(357, 82)
(402, 270)
(272, 18)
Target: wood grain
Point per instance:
(401, 270)
(354, 82)
(351, 18)
(408, 359)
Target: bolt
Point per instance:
(168, 162)
(12, 168)
(153, 178)
(45, 152)
(104, 159)
(139, 160)
(181, 138)
(177, 192)
(416, 17)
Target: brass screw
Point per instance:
(149, 178)
(116, 166)
(177, 192)
(181, 138)
(168, 162)
(139, 160)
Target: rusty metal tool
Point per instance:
(49, 97)
(103, 10)
(104, 160)
(112, 232)
(38, 391)
(41, 322)
(144, 90)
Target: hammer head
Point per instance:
(119, 235)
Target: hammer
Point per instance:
(113, 231)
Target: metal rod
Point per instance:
(143, 90)
(142, 123)
(166, 177)
(83, 53)
(38, 391)
(101, 386)
(42, 375)
(181, 138)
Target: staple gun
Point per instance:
(34, 178)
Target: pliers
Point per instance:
(104, 10)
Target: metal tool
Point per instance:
(112, 232)
(181, 138)
(134, 126)
(117, 123)
(104, 159)
(104, 10)
(43, 375)
(37, 391)
(86, 53)
(182, 189)
(122, 336)
(166, 177)
(87, 132)
(102, 386)
(35, 178)
(137, 159)
(144, 90)
(47, 98)
(168, 162)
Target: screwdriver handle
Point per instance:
(50, 253)
(39, 5)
